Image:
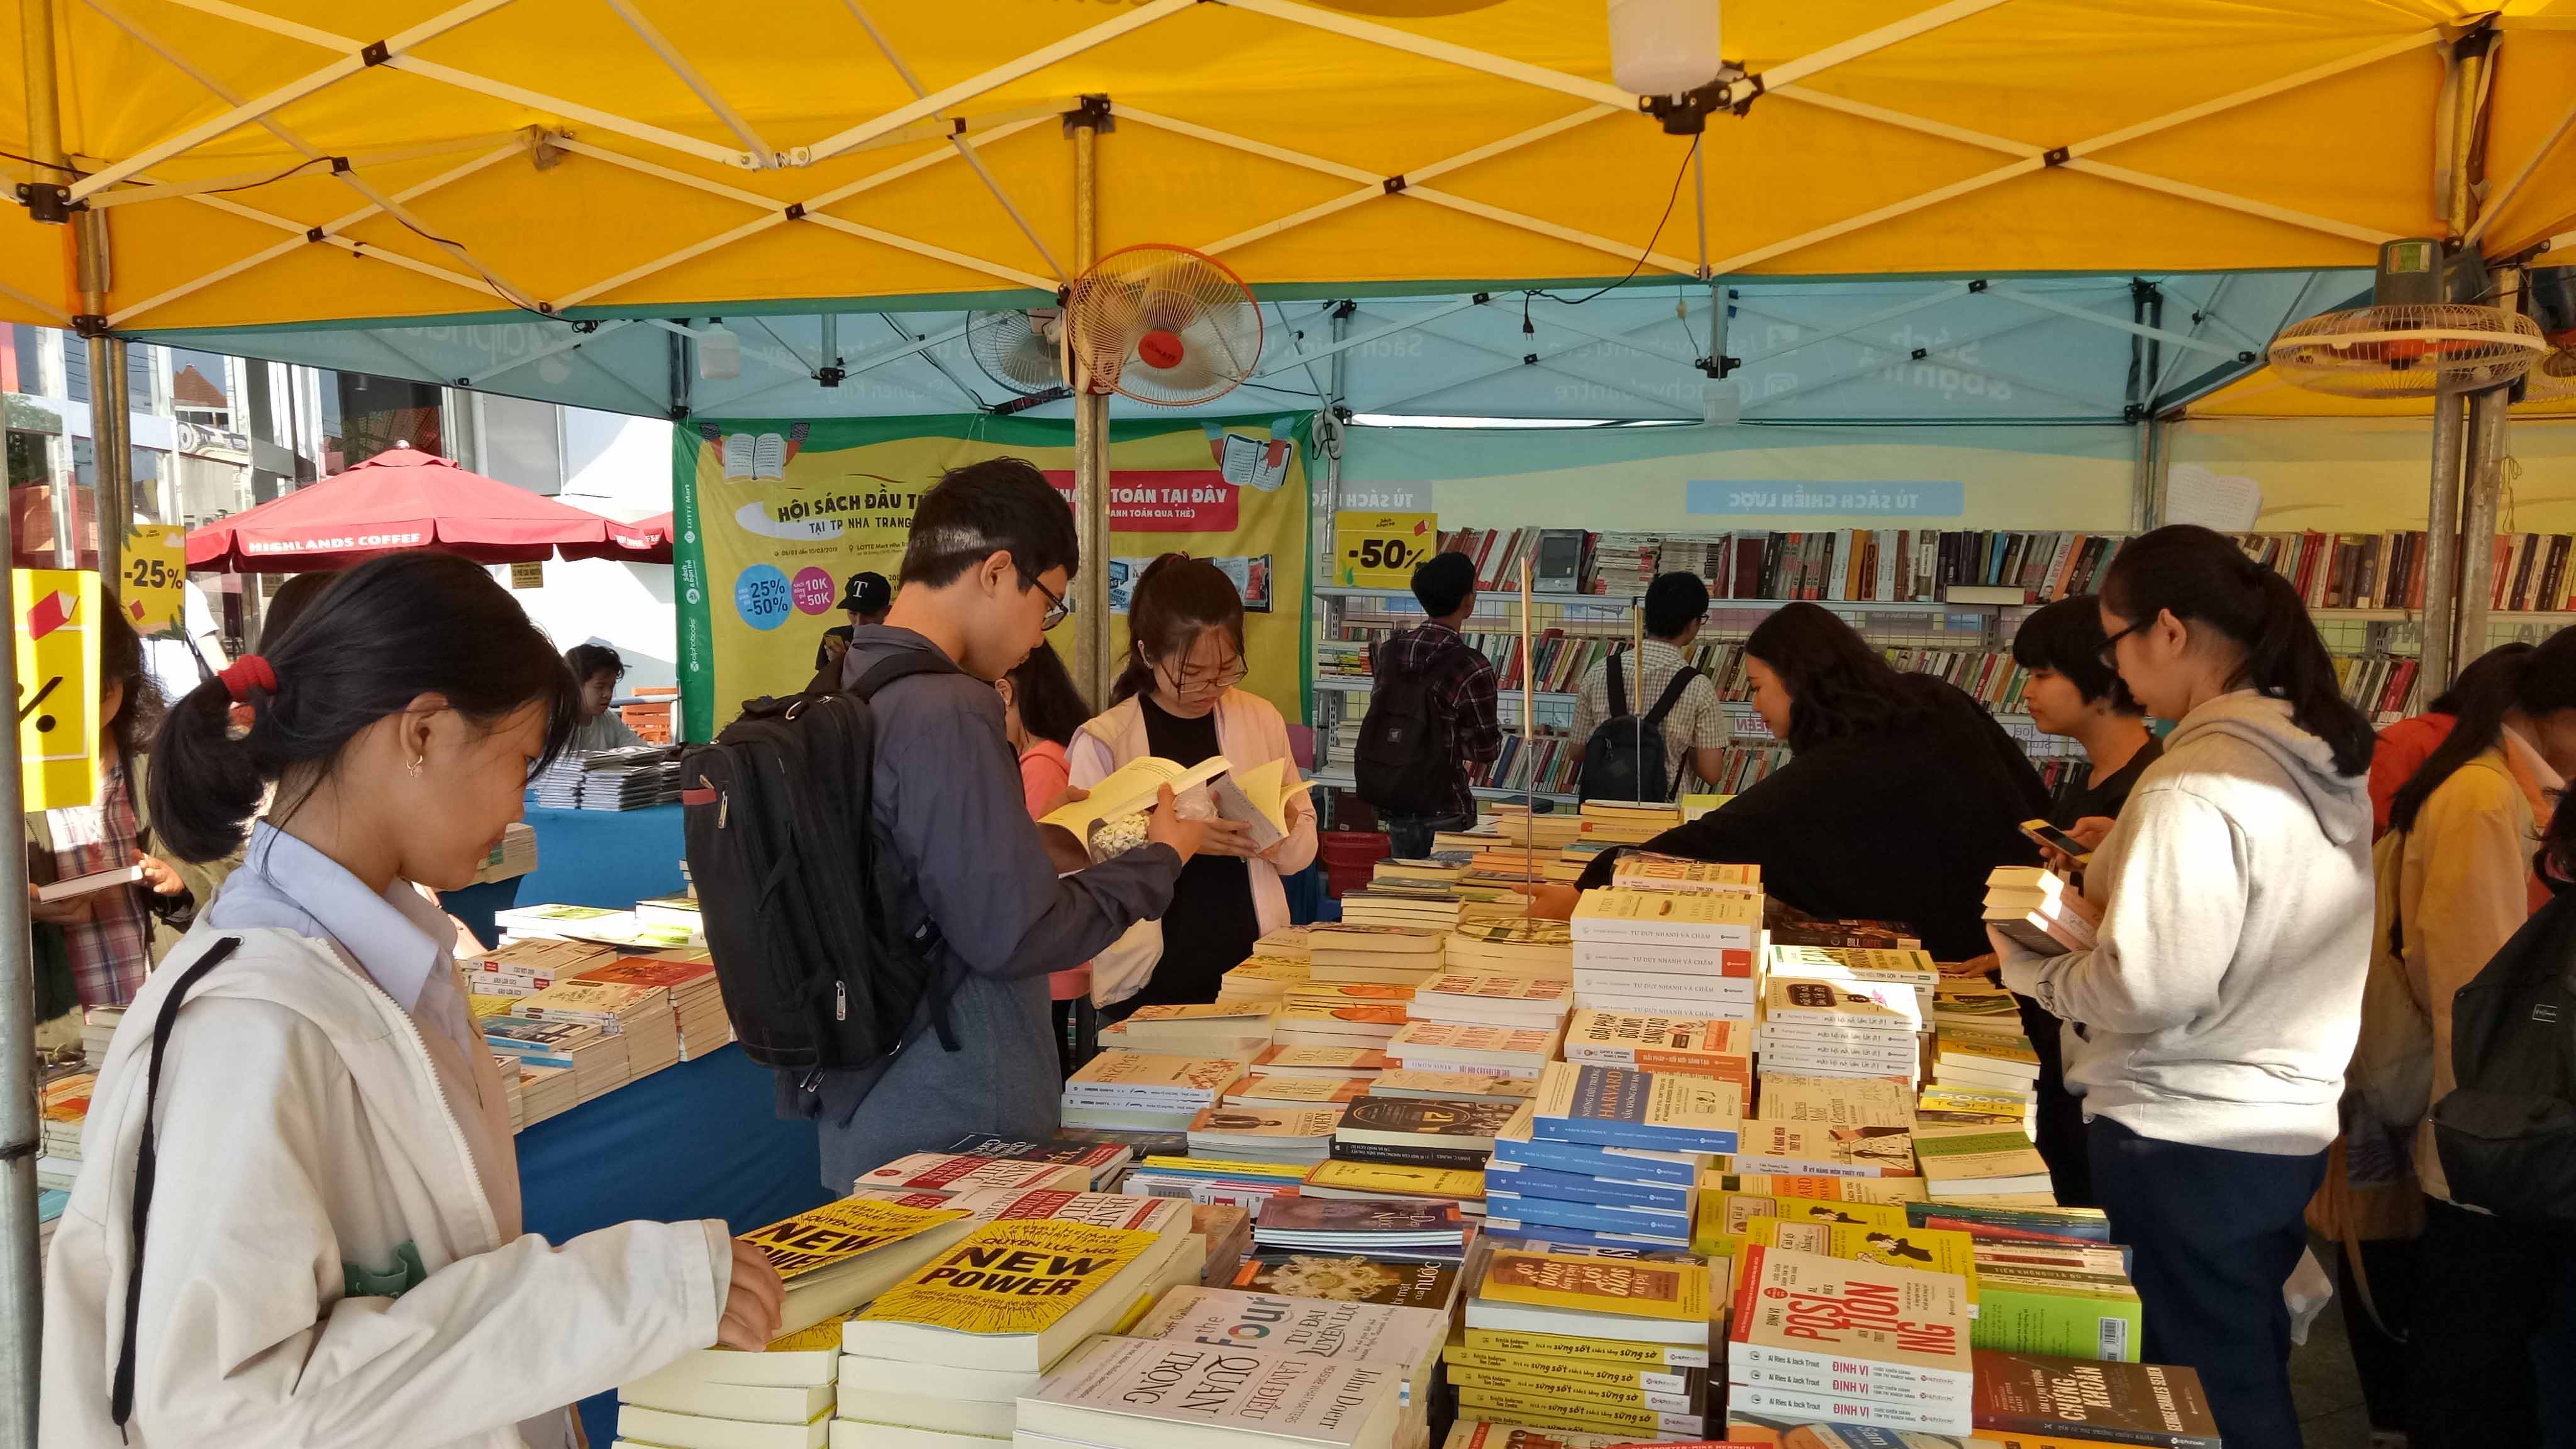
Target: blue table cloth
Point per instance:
(611, 858)
(698, 1140)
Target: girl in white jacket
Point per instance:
(297, 1217)
(2213, 1017)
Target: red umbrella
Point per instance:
(401, 498)
(646, 540)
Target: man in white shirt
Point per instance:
(1695, 732)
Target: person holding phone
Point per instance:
(1180, 699)
(2221, 1001)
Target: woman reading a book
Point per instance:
(93, 948)
(1901, 793)
(1178, 700)
(2455, 884)
(2219, 1006)
(297, 1221)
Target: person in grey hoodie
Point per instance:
(2217, 1010)
(985, 572)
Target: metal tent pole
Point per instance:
(111, 440)
(1091, 653)
(2482, 477)
(2442, 544)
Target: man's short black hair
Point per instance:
(1672, 601)
(587, 660)
(998, 505)
(1442, 582)
(2067, 636)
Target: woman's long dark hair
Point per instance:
(1175, 599)
(1050, 704)
(2537, 680)
(2201, 577)
(1838, 686)
(120, 658)
(393, 629)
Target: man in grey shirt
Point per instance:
(985, 574)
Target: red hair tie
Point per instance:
(246, 674)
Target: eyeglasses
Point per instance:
(1059, 606)
(2109, 652)
(1224, 676)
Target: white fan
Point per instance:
(2409, 342)
(1021, 350)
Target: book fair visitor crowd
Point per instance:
(2282, 906)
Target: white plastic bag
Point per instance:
(2308, 1292)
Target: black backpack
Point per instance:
(2507, 1131)
(823, 948)
(1402, 764)
(1624, 759)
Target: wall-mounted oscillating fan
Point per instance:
(1162, 324)
(1021, 350)
(2410, 342)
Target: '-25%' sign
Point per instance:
(1379, 550)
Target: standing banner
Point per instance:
(772, 516)
(154, 588)
(57, 632)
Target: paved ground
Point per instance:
(2329, 1392)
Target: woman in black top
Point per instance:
(1901, 794)
(2073, 692)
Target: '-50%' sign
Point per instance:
(1377, 550)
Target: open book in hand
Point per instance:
(1257, 795)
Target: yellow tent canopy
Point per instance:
(303, 162)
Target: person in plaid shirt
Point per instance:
(1462, 703)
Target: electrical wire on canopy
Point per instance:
(1640, 265)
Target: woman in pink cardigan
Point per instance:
(1178, 700)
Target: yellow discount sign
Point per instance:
(154, 585)
(1376, 550)
(57, 686)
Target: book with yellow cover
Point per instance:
(1928, 1250)
(810, 1355)
(1663, 918)
(1622, 1298)
(1724, 1217)
(1653, 1042)
(1540, 1407)
(1576, 1368)
(1641, 871)
(1339, 1178)
(1589, 1389)
(1589, 1350)
(1015, 1295)
(1893, 1191)
(1836, 1102)
(835, 1257)
(1811, 1149)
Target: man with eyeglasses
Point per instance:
(984, 575)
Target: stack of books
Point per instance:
(950, 1173)
(641, 1015)
(1389, 955)
(1978, 1107)
(98, 1028)
(1909, 968)
(1520, 947)
(514, 1090)
(1424, 1232)
(64, 1109)
(1837, 1103)
(1301, 1135)
(835, 1257)
(1341, 1178)
(1790, 926)
(2040, 910)
(1143, 1092)
(1267, 1093)
(1408, 1082)
(1982, 1164)
(1610, 1157)
(1728, 1211)
(689, 983)
(543, 1091)
(555, 922)
(1534, 1316)
(1250, 1186)
(1839, 1029)
(1664, 951)
(1640, 870)
(1263, 978)
(1227, 1231)
(1238, 1029)
(1345, 1014)
(1812, 1149)
(512, 856)
(1975, 1003)
(1652, 1042)
(631, 778)
(1407, 910)
(1538, 1003)
(1287, 943)
(1330, 1063)
(1614, 822)
(1998, 1060)
(680, 912)
(2072, 1298)
(947, 1351)
(1352, 1280)
(718, 1398)
(1549, 831)
(595, 1059)
(1487, 1051)
(526, 967)
(1815, 1339)
(1135, 1393)
(1421, 1131)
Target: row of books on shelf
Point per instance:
(1546, 763)
(2386, 570)
(1885, 565)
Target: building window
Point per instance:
(142, 378)
(22, 361)
(75, 369)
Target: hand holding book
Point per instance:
(752, 1301)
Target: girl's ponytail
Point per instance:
(2482, 696)
(204, 787)
(2203, 578)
